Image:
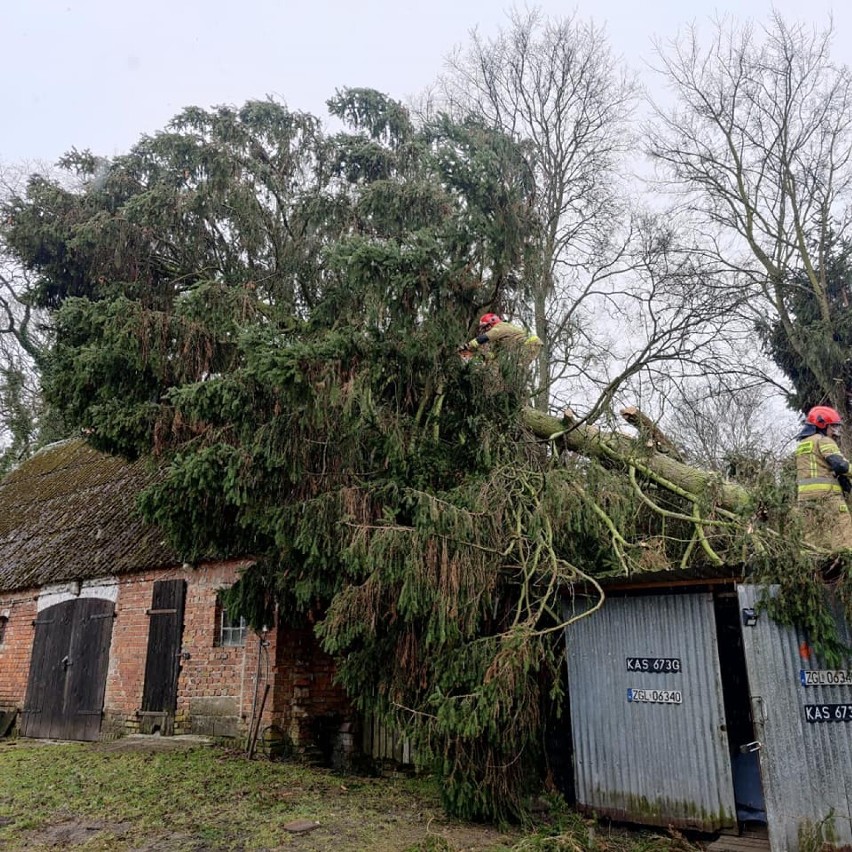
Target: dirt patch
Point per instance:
(129, 743)
(343, 836)
(178, 843)
(69, 833)
(401, 834)
(151, 742)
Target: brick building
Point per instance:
(104, 630)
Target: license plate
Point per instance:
(825, 677)
(828, 713)
(658, 665)
(654, 696)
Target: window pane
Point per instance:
(233, 632)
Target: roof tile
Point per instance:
(69, 513)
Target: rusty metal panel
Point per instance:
(805, 732)
(647, 713)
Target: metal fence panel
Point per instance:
(383, 742)
(805, 731)
(647, 713)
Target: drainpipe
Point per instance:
(252, 737)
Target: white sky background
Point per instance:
(99, 73)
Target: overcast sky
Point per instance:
(99, 73)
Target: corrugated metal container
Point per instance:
(803, 720)
(647, 714)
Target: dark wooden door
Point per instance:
(68, 668)
(165, 634)
(87, 665)
(48, 670)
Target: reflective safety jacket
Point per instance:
(820, 467)
(504, 333)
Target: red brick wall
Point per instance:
(126, 672)
(308, 704)
(16, 646)
(214, 675)
(217, 686)
(207, 671)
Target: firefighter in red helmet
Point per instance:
(822, 478)
(495, 332)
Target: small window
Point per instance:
(4, 620)
(230, 633)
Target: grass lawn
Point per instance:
(149, 796)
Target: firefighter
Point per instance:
(822, 477)
(495, 332)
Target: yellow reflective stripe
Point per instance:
(829, 448)
(806, 448)
(817, 485)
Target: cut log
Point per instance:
(649, 433)
(615, 449)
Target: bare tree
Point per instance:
(23, 342)
(624, 305)
(758, 145)
(665, 322)
(554, 86)
(735, 430)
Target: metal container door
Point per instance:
(803, 720)
(647, 713)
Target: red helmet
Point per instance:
(489, 320)
(823, 416)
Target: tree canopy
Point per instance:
(23, 340)
(275, 313)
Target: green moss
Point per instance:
(647, 810)
(70, 513)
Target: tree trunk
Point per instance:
(614, 449)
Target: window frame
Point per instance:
(229, 633)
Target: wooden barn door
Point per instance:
(68, 669)
(48, 670)
(88, 662)
(162, 664)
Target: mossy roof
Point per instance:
(69, 513)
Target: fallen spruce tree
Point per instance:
(436, 575)
(272, 315)
(654, 454)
